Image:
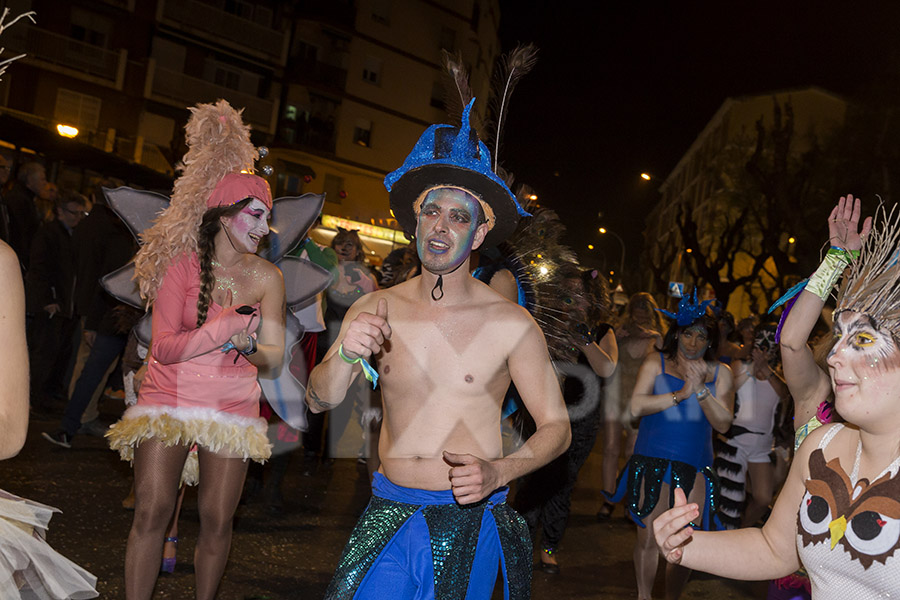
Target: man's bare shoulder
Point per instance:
(490, 299)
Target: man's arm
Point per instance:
(362, 335)
(473, 478)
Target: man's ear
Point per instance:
(480, 232)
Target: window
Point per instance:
(90, 28)
(372, 70)
(227, 78)
(362, 133)
(448, 39)
(79, 110)
(333, 187)
(437, 95)
(307, 52)
(381, 11)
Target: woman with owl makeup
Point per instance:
(839, 511)
(681, 394)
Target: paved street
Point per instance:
(292, 556)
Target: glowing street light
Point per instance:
(791, 240)
(590, 246)
(66, 131)
(689, 250)
(604, 231)
(646, 176)
(532, 197)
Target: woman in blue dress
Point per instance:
(682, 393)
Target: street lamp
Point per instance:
(604, 231)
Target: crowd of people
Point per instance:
(702, 421)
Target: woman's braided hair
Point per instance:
(206, 250)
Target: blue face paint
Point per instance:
(446, 228)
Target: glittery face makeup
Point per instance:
(446, 229)
(248, 227)
(861, 351)
(692, 342)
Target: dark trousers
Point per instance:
(51, 349)
(545, 496)
(106, 349)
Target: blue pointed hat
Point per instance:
(453, 156)
(688, 310)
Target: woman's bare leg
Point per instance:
(170, 549)
(157, 473)
(612, 445)
(221, 482)
(676, 575)
(762, 475)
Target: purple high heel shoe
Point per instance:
(168, 564)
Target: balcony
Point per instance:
(45, 48)
(341, 13)
(183, 90)
(315, 71)
(224, 28)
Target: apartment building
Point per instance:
(339, 90)
(695, 184)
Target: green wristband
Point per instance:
(368, 371)
(347, 359)
(822, 281)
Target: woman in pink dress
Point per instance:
(218, 317)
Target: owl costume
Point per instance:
(848, 528)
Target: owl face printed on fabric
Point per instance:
(863, 519)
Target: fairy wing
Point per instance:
(292, 217)
(138, 208)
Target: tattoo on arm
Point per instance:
(318, 401)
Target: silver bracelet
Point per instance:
(251, 349)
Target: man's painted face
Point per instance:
(248, 227)
(447, 229)
(693, 341)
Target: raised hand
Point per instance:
(471, 478)
(843, 224)
(367, 333)
(671, 528)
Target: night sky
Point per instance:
(625, 86)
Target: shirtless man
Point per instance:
(447, 347)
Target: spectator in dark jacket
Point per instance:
(22, 211)
(49, 295)
(103, 244)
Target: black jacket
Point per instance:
(24, 220)
(102, 245)
(51, 274)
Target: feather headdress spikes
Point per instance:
(509, 71)
(872, 284)
(218, 144)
